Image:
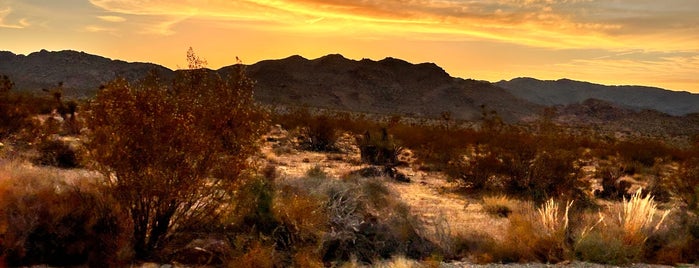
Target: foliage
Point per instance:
(172, 153)
(500, 205)
(45, 221)
(15, 114)
(379, 149)
(539, 235)
(57, 153)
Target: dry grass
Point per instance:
(499, 205)
(638, 217)
(550, 219)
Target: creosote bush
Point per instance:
(172, 153)
(15, 112)
(44, 221)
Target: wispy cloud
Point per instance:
(540, 23)
(22, 23)
(112, 18)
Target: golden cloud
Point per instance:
(22, 23)
(559, 24)
(112, 18)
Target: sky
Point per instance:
(615, 42)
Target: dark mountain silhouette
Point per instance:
(80, 73)
(565, 91)
(390, 87)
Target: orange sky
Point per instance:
(640, 42)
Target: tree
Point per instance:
(172, 153)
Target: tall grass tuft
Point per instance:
(548, 216)
(637, 217)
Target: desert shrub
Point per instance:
(478, 247)
(172, 154)
(539, 235)
(684, 184)
(259, 256)
(500, 205)
(15, 114)
(606, 247)
(643, 151)
(612, 188)
(379, 149)
(322, 133)
(316, 172)
(44, 221)
(552, 174)
(622, 237)
(303, 222)
(361, 230)
(319, 131)
(53, 152)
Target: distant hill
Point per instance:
(388, 86)
(81, 73)
(565, 91)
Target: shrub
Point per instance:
(303, 222)
(15, 115)
(367, 231)
(316, 172)
(379, 149)
(43, 221)
(539, 235)
(57, 153)
(500, 205)
(623, 238)
(606, 247)
(172, 153)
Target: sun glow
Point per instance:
(490, 39)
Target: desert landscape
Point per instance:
(355, 165)
(357, 133)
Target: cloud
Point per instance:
(22, 23)
(559, 24)
(112, 18)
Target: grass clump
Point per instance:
(499, 205)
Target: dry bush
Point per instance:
(320, 132)
(316, 172)
(499, 205)
(45, 221)
(685, 183)
(259, 256)
(540, 235)
(643, 151)
(303, 222)
(622, 237)
(53, 152)
(379, 149)
(172, 154)
(15, 111)
(367, 231)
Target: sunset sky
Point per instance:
(640, 42)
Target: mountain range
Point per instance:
(388, 86)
